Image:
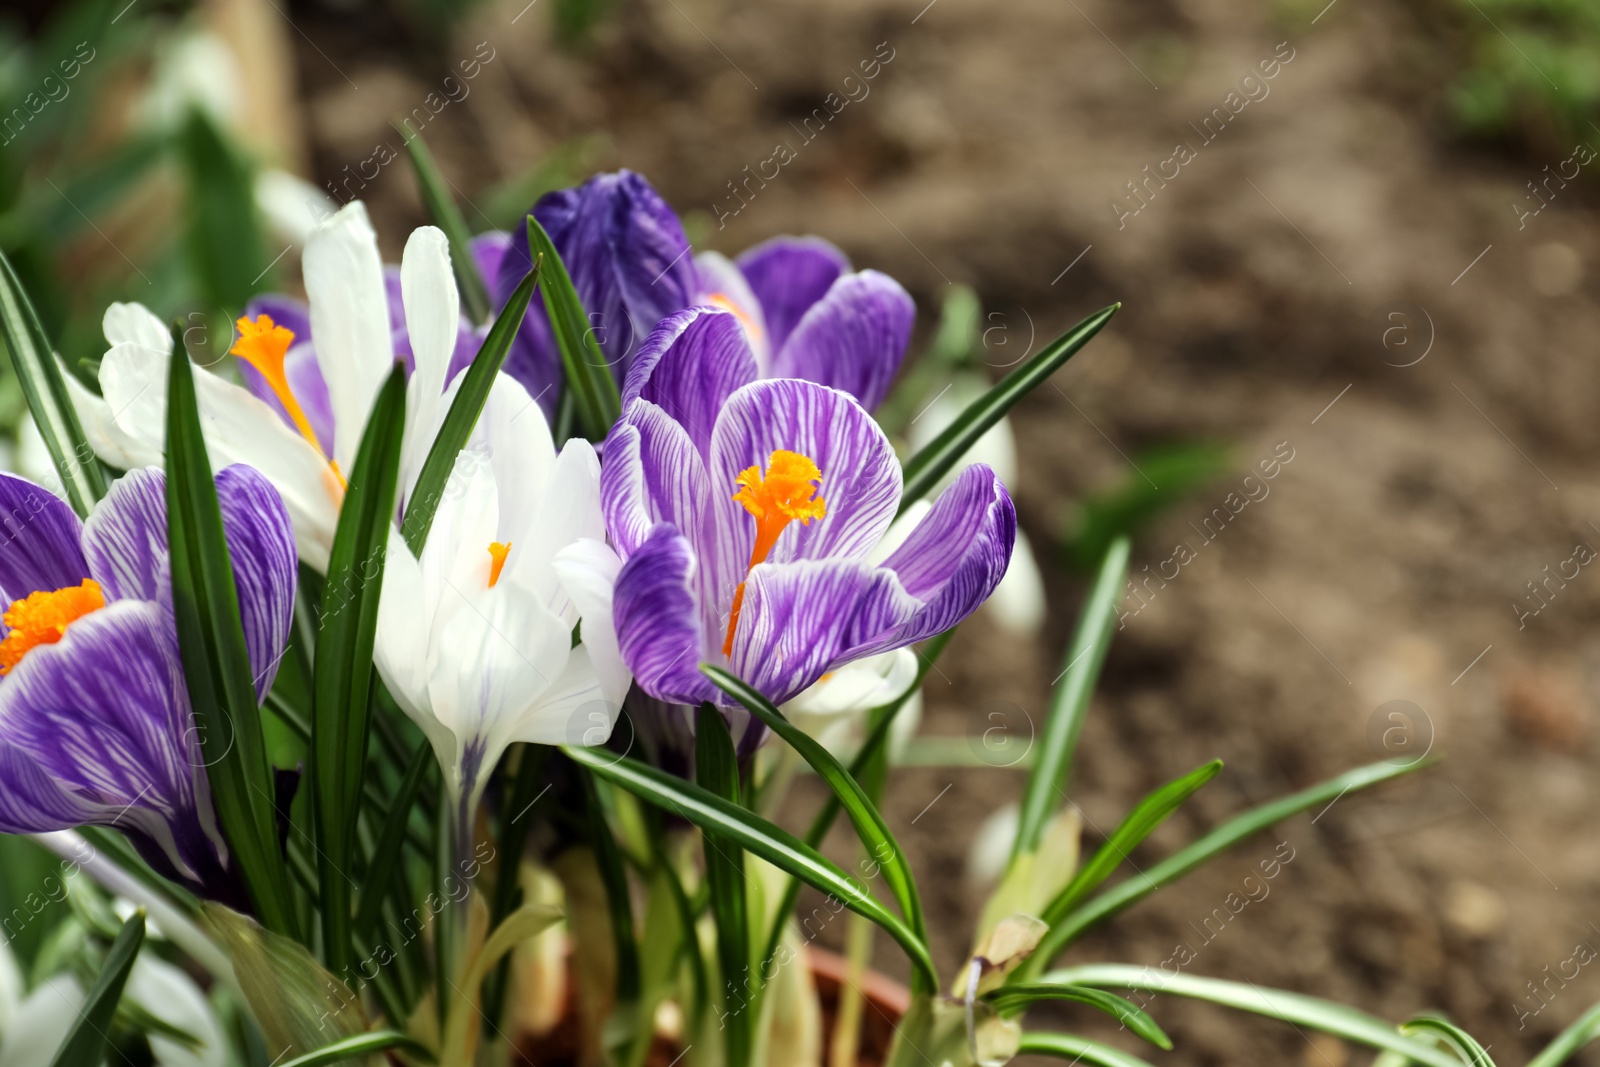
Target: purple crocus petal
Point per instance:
(651, 475)
(853, 338)
(860, 482)
(626, 252)
(689, 366)
(468, 341)
(800, 619)
(31, 801)
(261, 547)
(658, 619)
(955, 556)
(724, 285)
(39, 549)
(488, 250)
(125, 539)
(104, 713)
(395, 296)
(788, 275)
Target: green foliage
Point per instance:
(86, 1042)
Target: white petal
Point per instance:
(239, 428)
(171, 996)
(517, 438)
(42, 1023)
(400, 648)
(292, 206)
(575, 710)
(997, 447)
(350, 321)
(136, 323)
(1018, 602)
(899, 530)
(455, 560)
(433, 309)
(11, 986)
(588, 571)
(109, 441)
(567, 510)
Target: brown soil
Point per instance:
(1258, 287)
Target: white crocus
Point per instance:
(475, 638)
(354, 351)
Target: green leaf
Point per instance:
(1077, 1049)
(45, 387)
(216, 664)
(1570, 1040)
(614, 877)
(476, 382)
(755, 834)
(445, 215)
(1048, 780)
(385, 860)
(1148, 814)
(347, 628)
(881, 719)
(86, 1041)
(1136, 888)
(227, 252)
(352, 1049)
(716, 768)
(880, 843)
(1124, 1011)
(1297, 1009)
(588, 375)
(923, 470)
(1443, 1030)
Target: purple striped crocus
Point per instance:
(752, 517)
(804, 312)
(95, 723)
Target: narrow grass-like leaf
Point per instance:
(342, 700)
(881, 719)
(1148, 814)
(1077, 1049)
(755, 834)
(45, 389)
(1441, 1029)
(1570, 1040)
(1085, 655)
(216, 664)
(525, 765)
(1135, 1018)
(1295, 1008)
(385, 859)
(85, 1043)
(476, 381)
(353, 1049)
(716, 768)
(870, 826)
(939, 457)
(588, 375)
(445, 215)
(1136, 888)
(614, 877)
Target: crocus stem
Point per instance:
(847, 1022)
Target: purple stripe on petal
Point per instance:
(861, 479)
(956, 555)
(658, 620)
(261, 545)
(853, 338)
(38, 540)
(651, 475)
(800, 620)
(689, 366)
(31, 801)
(788, 275)
(125, 540)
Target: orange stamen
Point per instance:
(41, 618)
(263, 344)
(776, 499)
(498, 551)
(724, 301)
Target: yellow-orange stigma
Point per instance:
(498, 551)
(263, 344)
(41, 618)
(726, 303)
(782, 495)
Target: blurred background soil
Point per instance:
(1337, 277)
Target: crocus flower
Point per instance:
(805, 313)
(306, 439)
(747, 512)
(476, 639)
(95, 723)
